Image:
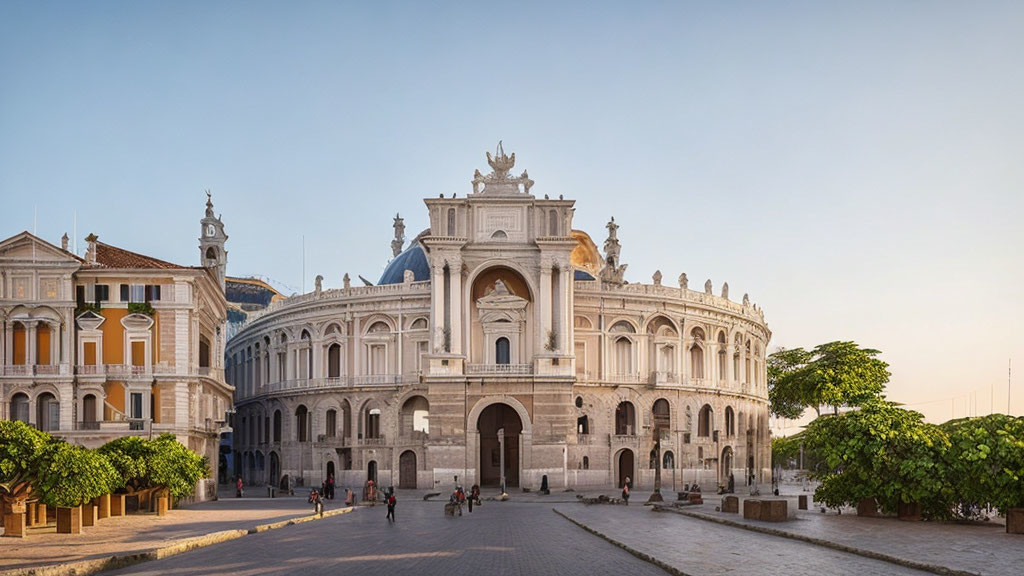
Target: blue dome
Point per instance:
(582, 275)
(413, 259)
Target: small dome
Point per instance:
(412, 258)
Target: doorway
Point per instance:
(493, 418)
(407, 470)
(626, 467)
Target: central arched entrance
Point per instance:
(275, 468)
(407, 470)
(494, 418)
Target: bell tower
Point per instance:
(211, 242)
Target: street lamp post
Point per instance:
(656, 495)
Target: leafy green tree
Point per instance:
(880, 451)
(985, 462)
(20, 448)
(71, 475)
(175, 467)
(832, 374)
(130, 456)
(786, 382)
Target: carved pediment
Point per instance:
(90, 321)
(501, 305)
(137, 322)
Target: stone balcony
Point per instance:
(500, 369)
(32, 370)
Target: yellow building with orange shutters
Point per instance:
(115, 343)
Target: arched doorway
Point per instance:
(726, 464)
(407, 470)
(371, 471)
(89, 409)
(494, 418)
(275, 468)
(330, 469)
(626, 467)
(19, 407)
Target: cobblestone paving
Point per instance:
(979, 549)
(700, 547)
(497, 539)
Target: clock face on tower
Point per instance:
(210, 230)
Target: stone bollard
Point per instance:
(117, 504)
(41, 514)
(69, 520)
(802, 502)
(89, 514)
(161, 505)
(103, 507)
(30, 514)
(731, 504)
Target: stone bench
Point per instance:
(731, 504)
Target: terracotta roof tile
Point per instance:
(108, 256)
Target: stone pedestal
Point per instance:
(731, 505)
(117, 504)
(103, 507)
(89, 512)
(30, 514)
(1015, 521)
(909, 511)
(802, 502)
(41, 514)
(867, 507)
(14, 525)
(752, 509)
(69, 520)
(162, 505)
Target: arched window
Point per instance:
(211, 253)
(623, 357)
(730, 422)
(668, 461)
(582, 425)
(625, 419)
(332, 423)
(586, 463)
(334, 360)
(705, 421)
(697, 362)
(499, 235)
(302, 424)
(277, 425)
(19, 408)
(373, 423)
(662, 416)
(47, 412)
(501, 351)
(451, 221)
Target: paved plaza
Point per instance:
(525, 536)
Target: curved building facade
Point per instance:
(502, 346)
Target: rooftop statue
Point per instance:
(684, 282)
(499, 181)
(708, 287)
(612, 272)
(399, 241)
(501, 163)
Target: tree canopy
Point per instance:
(832, 374)
(880, 451)
(985, 463)
(20, 447)
(71, 475)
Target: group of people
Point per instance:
(458, 498)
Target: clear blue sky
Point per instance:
(856, 167)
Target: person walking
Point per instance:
(391, 500)
(474, 497)
(625, 490)
(330, 487)
(238, 488)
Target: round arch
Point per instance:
(493, 263)
(486, 401)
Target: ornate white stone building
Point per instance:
(500, 341)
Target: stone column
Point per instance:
(31, 335)
(545, 305)
(455, 274)
(564, 341)
(437, 306)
